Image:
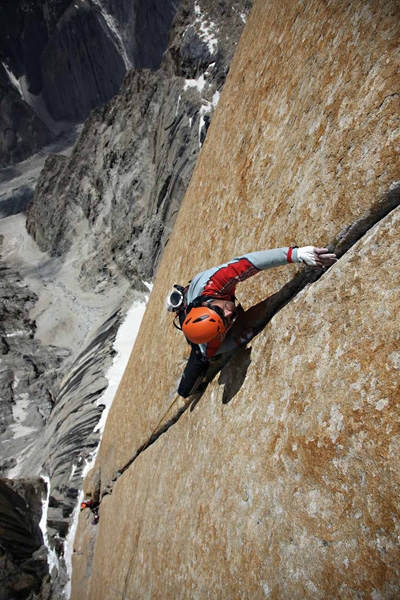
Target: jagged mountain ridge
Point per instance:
(143, 152)
(281, 480)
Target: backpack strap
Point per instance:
(183, 310)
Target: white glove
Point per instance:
(316, 257)
(306, 255)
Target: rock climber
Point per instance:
(207, 308)
(94, 507)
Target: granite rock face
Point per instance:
(281, 480)
(48, 417)
(69, 437)
(30, 371)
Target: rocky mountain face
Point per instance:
(64, 58)
(281, 480)
(48, 413)
(101, 216)
(22, 132)
(143, 147)
(69, 437)
(23, 556)
(29, 370)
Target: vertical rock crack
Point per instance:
(340, 245)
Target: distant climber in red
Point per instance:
(94, 507)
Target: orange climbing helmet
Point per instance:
(202, 324)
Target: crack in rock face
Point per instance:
(324, 427)
(378, 211)
(266, 310)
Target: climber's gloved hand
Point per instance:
(318, 258)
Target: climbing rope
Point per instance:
(153, 436)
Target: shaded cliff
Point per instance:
(282, 480)
(22, 132)
(64, 58)
(24, 571)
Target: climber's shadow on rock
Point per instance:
(234, 373)
(231, 367)
(231, 375)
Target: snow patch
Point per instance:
(52, 558)
(123, 346)
(20, 413)
(206, 108)
(208, 31)
(13, 80)
(198, 83)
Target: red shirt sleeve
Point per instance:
(224, 281)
